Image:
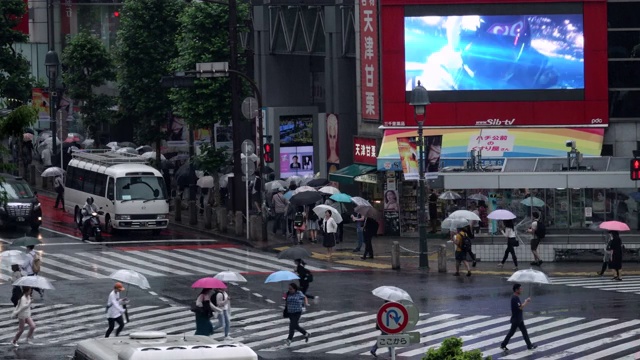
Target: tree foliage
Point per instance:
(145, 47)
(89, 66)
(451, 349)
(14, 124)
(15, 72)
(212, 160)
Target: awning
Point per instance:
(495, 143)
(347, 174)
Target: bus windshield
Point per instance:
(140, 188)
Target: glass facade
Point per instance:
(100, 18)
(624, 59)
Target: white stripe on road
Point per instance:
(287, 263)
(49, 272)
(43, 312)
(75, 269)
(164, 260)
(191, 260)
(593, 344)
(73, 259)
(95, 257)
(266, 266)
(282, 320)
(223, 264)
(140, 262)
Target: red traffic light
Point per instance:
(634, 169)
(116, 13)
(268, 153)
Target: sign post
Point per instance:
(248, 168)
(394, 319)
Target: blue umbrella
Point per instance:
(288, 194)
(341, 198)
(282, 275)
(532, 201)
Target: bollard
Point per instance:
(32, 175)
(207, 217)
(177, 207)
(239, 225)
(442, 259)
(395, 256)
(223, 221)
(193, 212)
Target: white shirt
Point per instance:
(57, 181)
(23, 309)
(115, 307)
(222, 299)
(509, 233)
(330, 226)
(46, 157)
(27, 266)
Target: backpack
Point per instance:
(214, 297)
(466, 242)
(37, 262)
(313, 216)
(298, 219)
(309, 276)
(541, 230)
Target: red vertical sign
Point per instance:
(369, 69)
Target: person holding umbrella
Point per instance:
(330, 228)
(23, 313)
(512, 242)
(295, 301)
(615, 247)
(305, 277)
(370, 230)
(517, 320)
(31, 266)
(115, 309)
(58, 185)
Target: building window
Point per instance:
(623, 15)
(624, 74)
(624, 43)
(624, 103)
(607, 150)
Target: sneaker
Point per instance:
(373, 353)
(532, 346)
(15, 344)
(316, 299)
(504, 348)
(306, 337)
(287, 342)
(534, 263)
(228, 338)
(500, 265)
(540, 262)
(474, 263)
(468, 273)
(356, 250)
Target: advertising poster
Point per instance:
(333, 149)
(296, 160)
(391, 211)
(223, 136)
(433, 148)
(409, 158)
(296, 146)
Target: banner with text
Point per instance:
(369, 64)
(408, 150)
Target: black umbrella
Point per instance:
(267, 170)
(294, 253)
(318, 182)
(26, 241)
(183, 175)
(306, 198)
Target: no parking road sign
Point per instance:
(392, 318)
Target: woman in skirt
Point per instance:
(330, 228)
(312, 225)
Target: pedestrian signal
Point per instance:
(634, 168)
(268, 152)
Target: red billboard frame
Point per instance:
(592, 111)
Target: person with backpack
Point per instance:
(221, 300)
(539, 231)
(31, 266)
(306, 277)
(463, 246)
(300, 223)
(312, 225)
(468, 249)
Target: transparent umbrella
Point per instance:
(391, 293)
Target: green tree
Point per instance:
(212, 160)
(145, 47)
(89, 66)
(15, 72)
(451, 349)
(14, 125)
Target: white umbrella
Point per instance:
(205, 182)
(501, 214)
(449, 195)
(529, 276)
(294, 179)
(131, 277)
(391, 293)
(224, 180)
(321, 209)
(52, 171)
(454, 223)
(113, 145)
(464, 214)
(329, 190)
(199, 173)
(13, 257)
(360, 201)
(152, 155)
(274, 185)
(127, 150)
(303, 189)
(478, 197)
(35, 281)
(228, 276)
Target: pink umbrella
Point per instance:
(614, 226)
(501, 214)
(209, 283)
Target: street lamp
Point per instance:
(51, 63)
(419, 101)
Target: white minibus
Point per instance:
(131, 194)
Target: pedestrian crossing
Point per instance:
(158, 263)
(629, 284)
(349, 333)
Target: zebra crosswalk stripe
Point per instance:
(631, 284)
(158, 263)
(592, 344)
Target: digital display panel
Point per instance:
(296, 160)
(296, 146)
(494, 52)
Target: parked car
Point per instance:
(19, 204)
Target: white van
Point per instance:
(131, 193)
(156, 345)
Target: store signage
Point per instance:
(369, 74)
(496, 122)
(365, 150)
(492, 142)
(367, 178)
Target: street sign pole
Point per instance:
(247, 149)
(246, 184)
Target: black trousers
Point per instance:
(294, 319)
(340, 233)
(523, 330)
(368, 247)
(279, 222)
(304, 287)
(60, 199)
(112, 323)
(510, 250)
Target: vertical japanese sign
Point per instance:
(365, 150)
(369, 65)
(409, 158)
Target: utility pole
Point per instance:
(237, 195)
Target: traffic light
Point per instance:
(116, 13)
(634, 168)
(268, 153)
